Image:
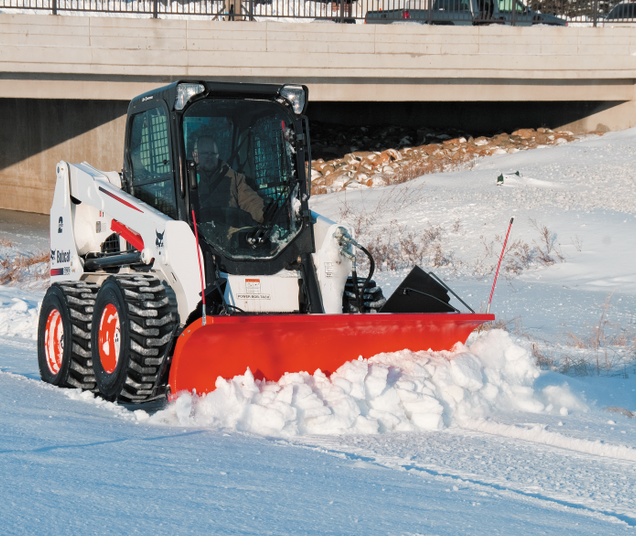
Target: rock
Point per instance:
(327, 169)
(525, 133)
(361, 169)
(454, 141)
(499, 138)
(392, 154)
(432, 149)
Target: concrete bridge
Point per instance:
(65, 80)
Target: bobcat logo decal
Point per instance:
(159, 241)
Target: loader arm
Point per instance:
(89, 205)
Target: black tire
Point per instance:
(133, 324)
(64, 335)
(373, 297)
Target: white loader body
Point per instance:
(89, 206)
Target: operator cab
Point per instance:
(251, 210)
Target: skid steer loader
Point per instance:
(163, 278)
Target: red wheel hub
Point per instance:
(54, 341)
(109, 338)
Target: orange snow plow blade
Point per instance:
(271, 345)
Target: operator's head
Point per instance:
(206, 154)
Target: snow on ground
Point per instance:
(474, 440)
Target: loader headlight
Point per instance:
(185, 92)
(296, 96)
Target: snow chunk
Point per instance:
(18, 318)
(561, 396)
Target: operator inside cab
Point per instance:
(224, 195)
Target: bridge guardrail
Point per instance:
(439, 12)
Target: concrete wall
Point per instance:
(35, 134)
(64, 81)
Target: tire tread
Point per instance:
(152, 315)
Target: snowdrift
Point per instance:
(401, 391)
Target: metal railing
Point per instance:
(437, 12)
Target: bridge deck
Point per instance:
(65, 80)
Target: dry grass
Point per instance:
(19, 268)
(604, 348)
(543, 360)
(521, 255)
(394, 245)
(513, 325)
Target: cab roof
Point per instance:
(168, 93)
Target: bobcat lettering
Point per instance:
(63, 256)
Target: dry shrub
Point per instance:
(574, 365)
(604, 348)
(520, 255)
(548, 249)
(16, 269)
(394, 245)
(541, 358)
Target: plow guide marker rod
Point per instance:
(499, 264)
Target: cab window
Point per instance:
(151, 162)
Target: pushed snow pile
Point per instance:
(401, 391)
(18, 318)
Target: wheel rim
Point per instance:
(54, 341)
(109, 338)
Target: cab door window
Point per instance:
(151, 161)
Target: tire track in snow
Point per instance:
(591, 484)
(537, 434)
(510, 492)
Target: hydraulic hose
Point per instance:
(343, 237)
(354, 279)
(360, 297)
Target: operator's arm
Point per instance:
(248, 200)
